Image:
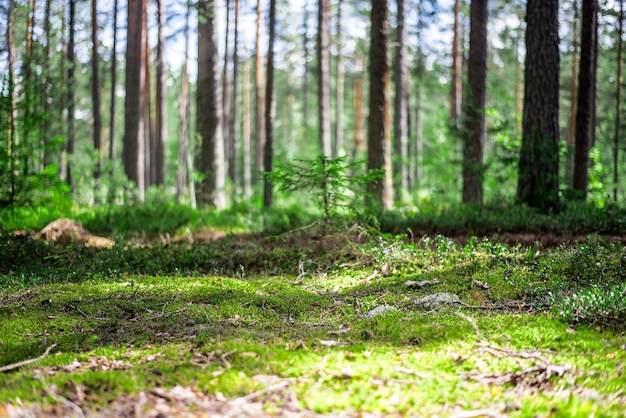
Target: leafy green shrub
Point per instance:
(594, 305)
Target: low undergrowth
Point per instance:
(304, 324)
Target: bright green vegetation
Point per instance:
(305, 322)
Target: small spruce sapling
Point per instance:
(329, 181)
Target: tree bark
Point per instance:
(161, 118)
(270, 109)
(538, 182)
(456, 87)
(323, 77)
(586, 99)
(210, 190)
(245, 135)
(618, 98)
(95, 97)
(571, 126)
(233, 120)
(71, 120)
(259, 99)
(379, 122)
(112, 147)
(401, 107)
(473, 150)
(338, 144)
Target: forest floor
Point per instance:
(307, 324)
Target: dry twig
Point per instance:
(14, 366)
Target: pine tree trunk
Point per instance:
(112, 147)
(305, 81)
(210, 190)
(270, 109)
(457, 62)
(571, 126)
(323, 77)
(401, 103)
(233, 130)
(618, 98)
(379, 121)
(161, 119)
(538, 180)
(245, 135)
(338, 144)
(71, 121)
(359, 136)
(475, 121)
(13, 139)
(586, 99)
(134, 140)
(259, 99)
(95, 97)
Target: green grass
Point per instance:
(229, 318)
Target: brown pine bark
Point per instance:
(457, 63)
(210, 163)
(112, 107)
(339, 80)
(359, 116)
(95, 96)
(618, 98)
(245, 135)
(233, 120)
(586, 97)
(538, 181)
(270, 109)
(12, 137)
(323, 77)
(160, 119)
(133, 151)
(571, 126)
(379, 122)
(71, 120)
(401, 107)
(259, 99)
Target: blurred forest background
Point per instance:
(106, 101)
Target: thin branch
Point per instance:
(14, 366)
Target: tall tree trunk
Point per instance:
(28, 84)
(586, 99)
(270, 109)
(210, 190)
(416, 147)
(538, 181)
(95, 97)
(379, 121)
(475, 122)
(571, 126)
(148, 123)
(338, 144)
(233, 131)
(401, 107)
(226, 85)
(161, 120)
(134, 140)
(112, 146)
(456, 88)
(259, 99)
(71, 121)
(245, 137)
(519, 88)
(359, 136)
(185, 163)
(323, 77)
(44, 136)
(618, 98)
(12, 136)
(305, 81)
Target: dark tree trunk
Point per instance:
(338, 143)
(401, 107)
(112, 148)
(95, 96)
(259, 112)
(538, 183)
(586, 99)
(618, 98)
(71, 121)
(161, 121)
(379, 121)
(210, 190)
(270, 109)
(233, 130)
(323, 77)
(457, 67)
(571, 126)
